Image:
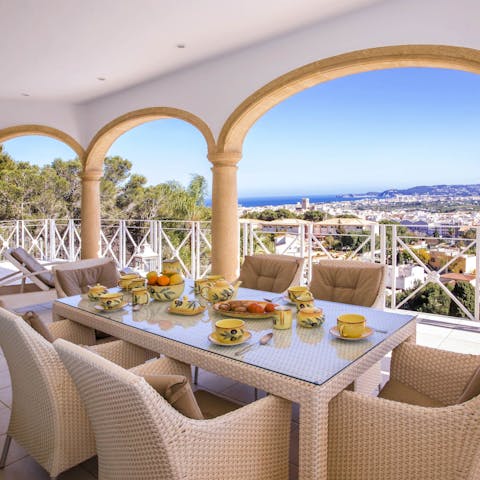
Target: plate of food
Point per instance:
(249, 309)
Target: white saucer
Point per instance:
(368, 331)
(213, 338)
(118, 307)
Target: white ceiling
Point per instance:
(56, 49)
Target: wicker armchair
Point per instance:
(383, 439)
(48, 419)
(143, 437)
(355, 283)
(272, 273)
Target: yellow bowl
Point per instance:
(166, 293)
(229, 330)
(110, 300)
(310, 317)
(351, 325)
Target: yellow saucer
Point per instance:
(368, 331)
(213, 338)
(117, 307)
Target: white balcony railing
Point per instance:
(414, 259)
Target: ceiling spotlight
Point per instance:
(181, 45)
(24, 94)
(101, 79)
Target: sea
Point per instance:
(286, 200)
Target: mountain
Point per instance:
(431, 190)
(435, 190)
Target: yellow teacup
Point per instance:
(125, 280)
(299, 293)
(110, 300)
(351, 325)
(229, 330)
(136, 283)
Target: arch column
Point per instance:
(225, 225)
(90, 213)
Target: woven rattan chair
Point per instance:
(355, 283)
(272, 273)
(48, 419)
(143, 437)
(436, 435)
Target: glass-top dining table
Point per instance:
(309, 366)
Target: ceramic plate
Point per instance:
(368, 331)
(118, 307)
(213, 338)
(246, 315)
(188, 314)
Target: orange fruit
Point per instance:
(152, 278)
(163, 280)
(269, 307)
(255, 308)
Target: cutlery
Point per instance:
(378, 330)
(274, 299)
(263, 341)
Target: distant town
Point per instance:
(440, 207)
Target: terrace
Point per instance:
(221, 76)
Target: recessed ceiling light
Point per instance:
(23, 94)
(181, 45)
(101, 79)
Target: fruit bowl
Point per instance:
(166, 293)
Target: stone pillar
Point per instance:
(90, 213)
(225, 225)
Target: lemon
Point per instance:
(176, 279)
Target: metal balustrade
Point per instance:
(145, 243)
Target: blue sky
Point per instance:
(370, 131)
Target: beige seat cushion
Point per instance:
(260, 272)
(199, 405)
(355, 283)
(77, 281)
(176, 390)
(36, 323)
(213, 406)
(31, 264)
(399, 392)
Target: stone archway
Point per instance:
(235, 129)
(250, 110)
(95, 154)
(23, 130)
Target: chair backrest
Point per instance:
(47, 417)
(349, 281)
(135, 428)
(74, 278)
(31, 268)
(272, 273)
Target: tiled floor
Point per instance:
(22, 467)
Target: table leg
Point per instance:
(313, 446)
